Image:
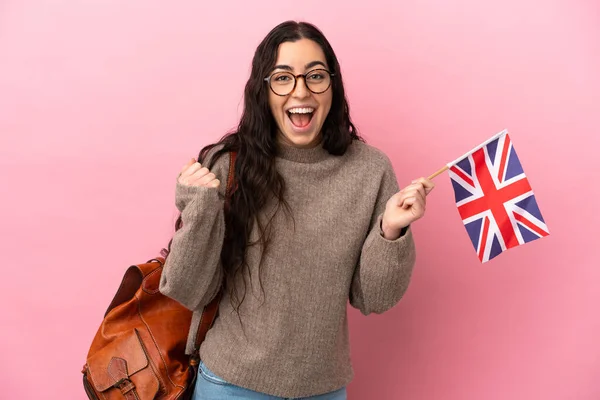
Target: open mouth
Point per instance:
(300, 117)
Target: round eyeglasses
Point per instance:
(284, 83)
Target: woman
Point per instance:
(316, 219)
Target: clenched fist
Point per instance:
(405, 207)
(194, 174)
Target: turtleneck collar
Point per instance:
(302, 155)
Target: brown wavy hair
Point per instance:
(254, 141)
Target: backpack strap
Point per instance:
(231, 174)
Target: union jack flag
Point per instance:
(494, 198)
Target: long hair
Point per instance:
(256, 178)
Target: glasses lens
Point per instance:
(282, 83)
(318, 80)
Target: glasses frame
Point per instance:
(303, 76)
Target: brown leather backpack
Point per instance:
(138, 352)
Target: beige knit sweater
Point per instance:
(294, 341)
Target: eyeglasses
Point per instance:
(284, 83)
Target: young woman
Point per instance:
(316, 219)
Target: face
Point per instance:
(300, 114)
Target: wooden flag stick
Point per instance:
(438, 172)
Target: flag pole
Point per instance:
(447, 166)
(438, 172)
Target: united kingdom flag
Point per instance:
(494, 198)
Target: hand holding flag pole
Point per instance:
(494, 198)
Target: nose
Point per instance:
(300, 91)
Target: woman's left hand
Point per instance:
(405, 207)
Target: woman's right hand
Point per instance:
(194, 174)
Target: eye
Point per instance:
(316, 76)
(282, 78)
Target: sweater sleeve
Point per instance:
(193, 273)
(385, 266)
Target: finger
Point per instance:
(415, 189)
(398, 198)
(206, 179)
(414, 200)
(418, 193)
(212, 184)
(416, 207)
(184, 168)
(408, 202)
(195, 177)
(427, 184)
(200, 173)
(419, 188)
(414, 186)
(191, 169)
(188, 164)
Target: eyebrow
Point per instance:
(307, 66)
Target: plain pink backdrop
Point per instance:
(102, 102)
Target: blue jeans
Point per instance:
(211, 387)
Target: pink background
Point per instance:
(102, 102)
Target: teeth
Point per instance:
(306, 110)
